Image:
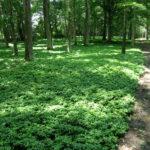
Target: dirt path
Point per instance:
(138, 137)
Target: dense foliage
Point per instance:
(79, 100)
(75, 89)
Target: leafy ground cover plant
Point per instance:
(74, 101)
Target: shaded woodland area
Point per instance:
(69, 72)
(94, 20)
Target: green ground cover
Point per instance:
(76, 101)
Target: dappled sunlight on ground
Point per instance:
(74, 100)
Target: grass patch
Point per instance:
(78, 101)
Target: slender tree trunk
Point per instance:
(110, 19)
(147, 20)
(147, 28)
(130, 24)
(28, 30)
(20, 27)
(87, 23)
(124, 33)
(109, 26)
(6, 38)
(4, 28)
(130, 31)
(44, 15)
(55, 19)
(48, 30)
(94, 27)
(70, 26)
(133, 31)
(13, 31)
(105, 21)
(68, 44)
(69, 34)
(74, 22)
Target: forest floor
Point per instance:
(78, 100)
(138, 137)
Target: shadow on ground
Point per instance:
(79, 100)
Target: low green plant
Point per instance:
(76, 101)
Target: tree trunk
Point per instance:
(13, 31)
(70, 25)
(133, 31)
(110, 12)
(69, 34)
(130, 31)
(55, 18)
(87, 23)
(109, 27)
(6, 39)
(124, 33)
(105, 21)
(131, 12)
(4, 27)
(147, 29)
(44, 15)
(74, 22)
(147, 20)
(28, 30)
(48, 30)
(20, 28)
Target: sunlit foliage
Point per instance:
(79, 100)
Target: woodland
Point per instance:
(69, 72)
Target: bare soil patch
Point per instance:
(138, 136)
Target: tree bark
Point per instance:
(6, 38)
(70, 25)
(4, 24)
(74, 22)
(55, 18)
(87, 23)
(147, 20)
(109, 22)
(147, 28)
(109, 29)
(20, 27)
(124, 32)
(13, 31)
(48, 30)
(20, 21)
(105, 21)
(28, 30)
(130, 31)
(133, 31)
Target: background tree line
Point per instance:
(92, 20)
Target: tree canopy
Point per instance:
(69, 19)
